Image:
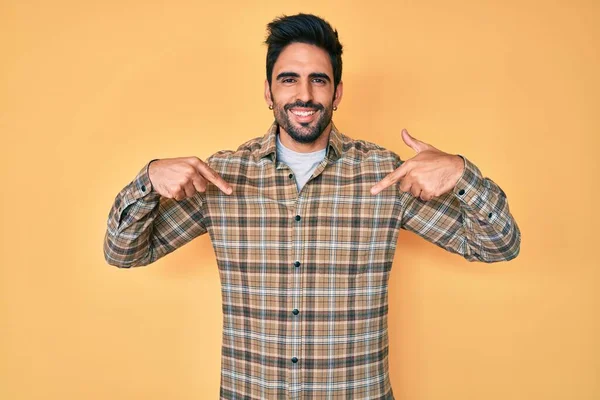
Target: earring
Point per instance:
(270, 106)
(334, 108)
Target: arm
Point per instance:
(446, 200)
(143, 226)
(472, 220)
(162, 209)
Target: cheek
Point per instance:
(281, 101)
(326, 98)
(282, 95)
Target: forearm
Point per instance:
(142, 227)
(473, 220)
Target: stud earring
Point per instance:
(270, 106)
(334, 108)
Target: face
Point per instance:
(302, 92)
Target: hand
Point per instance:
(180, 178)
(429, 174)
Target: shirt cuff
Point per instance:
(475, 195)
(139, 188)
(470, 184)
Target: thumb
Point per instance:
(413, 143)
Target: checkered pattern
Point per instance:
(304, 276)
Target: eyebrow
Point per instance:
(297, 75)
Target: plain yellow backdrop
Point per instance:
(91, 91)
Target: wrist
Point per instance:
(459, 163)
(149, 174)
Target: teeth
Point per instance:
(303, 113)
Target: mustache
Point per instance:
(302, 104)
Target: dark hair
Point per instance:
(303, 28)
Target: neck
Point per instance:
(317, 145)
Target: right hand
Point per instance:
(180, 178)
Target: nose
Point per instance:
(304, 92)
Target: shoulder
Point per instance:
(246, 153)
(360, 151)
(244, 149)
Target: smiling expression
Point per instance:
(302, 92)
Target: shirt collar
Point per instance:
(269, 143)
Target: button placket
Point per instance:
(296, 290)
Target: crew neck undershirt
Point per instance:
(302, 164)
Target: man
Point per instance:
(304, 221)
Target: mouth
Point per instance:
(303, 115)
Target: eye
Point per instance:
(319, 80)
(288, 80)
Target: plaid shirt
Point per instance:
(304, 276)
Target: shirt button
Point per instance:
(294, 360)
(143, 188)
(297, 218)
(295, 311)
(290, 176)
(297, 264)
(461, 192)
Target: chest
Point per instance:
(334, 220)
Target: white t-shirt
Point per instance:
(302, 164)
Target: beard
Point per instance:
(303, 132)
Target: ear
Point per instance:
(268, 98)
(339, 91)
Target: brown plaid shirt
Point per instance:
(304, 276)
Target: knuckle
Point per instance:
(201, 185)
(189, 170)
(201, 163)
(176, 190)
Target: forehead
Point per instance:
(304, 59)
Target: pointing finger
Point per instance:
(208, 173)
(389, 180)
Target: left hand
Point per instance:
(431, 173)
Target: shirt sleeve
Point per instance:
(144, 226)
(472, 220)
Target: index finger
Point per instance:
(389, 179)
(208, 173)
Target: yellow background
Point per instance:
(91, 91)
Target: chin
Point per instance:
(308, 138)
